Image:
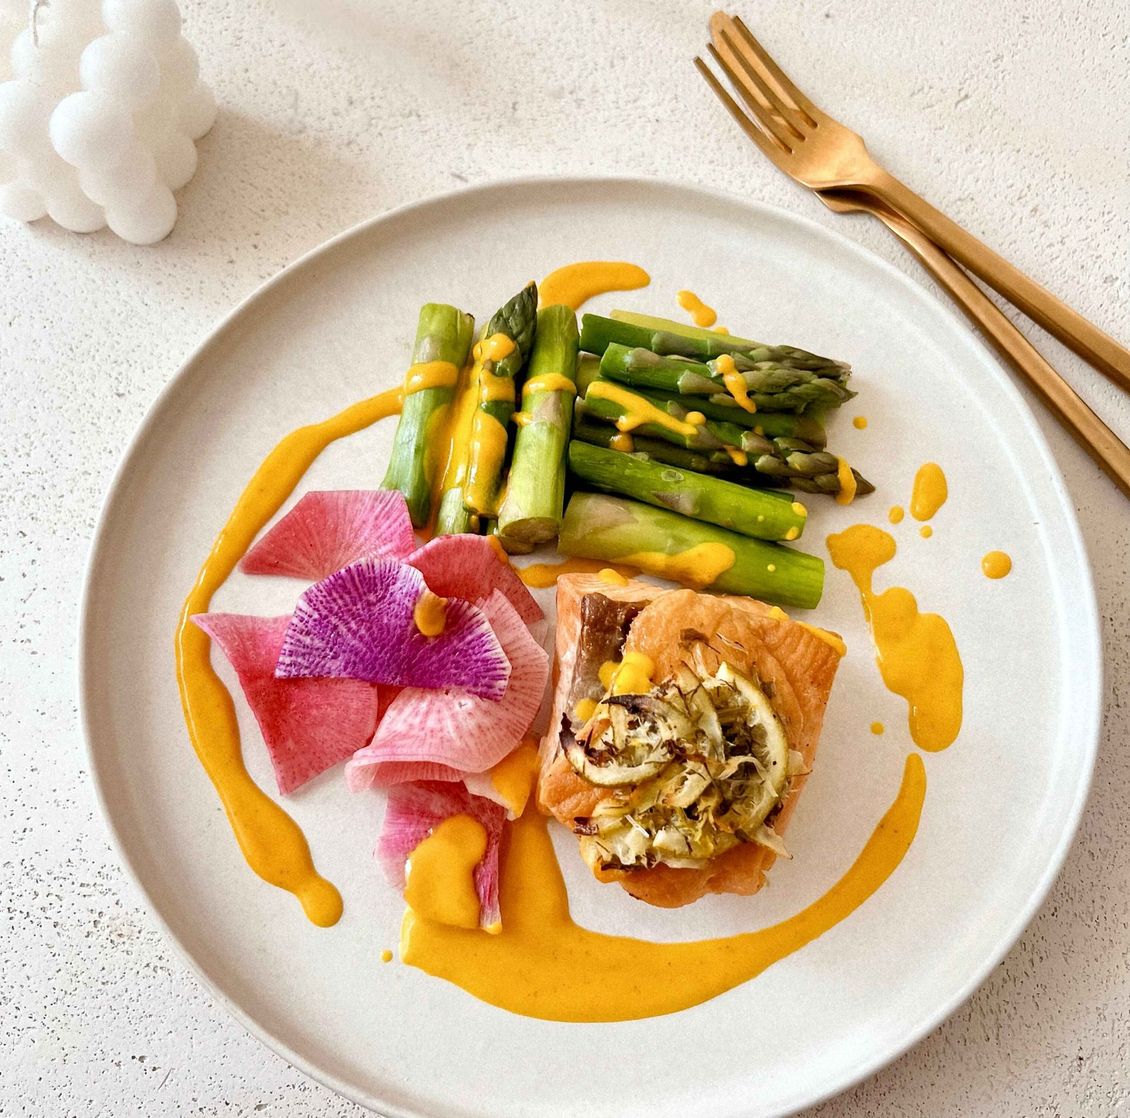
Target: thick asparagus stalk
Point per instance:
(748, 511)
(769, 386)
(588, 369)
(775, 424)
(531, 512)
(443, 337)
(453, 518)
(663, 543)
(591, 430)
(664, 336)
(499, 357)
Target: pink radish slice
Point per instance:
(328, 530)
(471, 567)
(414, 810)
(308, 725)
(463, 733)
(358, 624)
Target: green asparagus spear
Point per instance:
(535, 491)
(770, 386)
(499, 357)
(748, 511)
(588, 369)
(443, 337)
(591, 430)
(614, 530)
(453, 517)
(785, 461)
(662, 335)
(775, 424)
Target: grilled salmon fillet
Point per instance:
(790, 664)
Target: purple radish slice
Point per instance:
(473, 567)
(329, 529)
(424, 728)
(308, 725)
(358, 624)
(414, 810)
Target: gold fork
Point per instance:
(819, 152)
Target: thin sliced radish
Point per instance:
(329, 529)
(472, 567)
(308, 725)
(424, 728)
(414, 810)
(358, 624)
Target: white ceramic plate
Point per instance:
(1002, 803)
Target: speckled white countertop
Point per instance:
(1015, 122)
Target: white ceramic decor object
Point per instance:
(99, 121)
(1002, 803)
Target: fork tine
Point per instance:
(768, 144)
(721, 23)
(761, 100)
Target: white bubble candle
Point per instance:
(99, 121)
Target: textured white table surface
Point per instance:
(1016, 123)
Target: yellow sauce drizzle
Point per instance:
(272, 843)
(575, 284)
(550, 382)
(777, 613)
(386, 956)
(847, 483)
(771, 567)
(734, 382)
(925, 531)
(792, 533)
(896, 514)
(929, 493)
(697, 566)
(622, 441)
(607, 673)
(695, 418)
(639, 410)
(430, 614)
(521, 418)
(430, 374)
(582, 712)
(916, 652)
(996, 564)
(488, 449)
(877, 728)
(612, 577)
(512, 778)
(542, 964)
(440, 884)
(632, 675)
(495, 389)
(859, 422)
(700, 313)
(738, 457)
(721, 329)
(494, 348)
(799, 509)
(541, 575)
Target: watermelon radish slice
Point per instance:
(308, 725)
(425, 728)
(472, 567)
(413, 810)
(357, 624)
(328, 530)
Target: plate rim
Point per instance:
(1086, 609)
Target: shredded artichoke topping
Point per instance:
(693, 766)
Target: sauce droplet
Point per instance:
(612, 577)
(440, 884)
(575, 284)
(430, 614)
(386, 956)
(996, 564)
(700, 313)
(916, 652)
(859, 422)
(513, 777)
(877, 727)
(848, 485)
(895, 514)
(734, 382)
(930, 491)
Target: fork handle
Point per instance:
(1055, 316)
(1088, 430)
